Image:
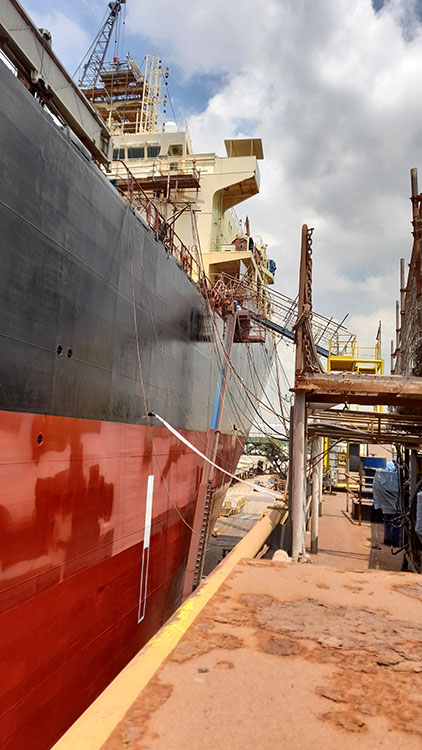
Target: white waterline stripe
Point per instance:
(142, 603)
(148, 510)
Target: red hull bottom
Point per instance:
(72, 531)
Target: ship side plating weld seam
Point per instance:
(254, 487)
(97, 723)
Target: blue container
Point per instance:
(373, 462)
(370, 464)
(392, 533)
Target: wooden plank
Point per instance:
(334, 383)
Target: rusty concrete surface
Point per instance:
(291, 656)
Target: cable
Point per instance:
(190, 445)
(171, 383)
(171, 102)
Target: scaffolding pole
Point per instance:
(298, 477)
(316, 462)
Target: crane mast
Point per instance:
(128, 99)
(94, 59)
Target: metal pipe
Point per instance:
(316, 459)
(402, 285)
(96, 724)
(321, 477)
(298, 476)
(397, 326)
(290, 484)
(415, 192)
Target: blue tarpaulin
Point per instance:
(385, 490)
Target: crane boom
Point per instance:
(96, 54)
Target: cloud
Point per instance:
(70, 40)
(331, 88)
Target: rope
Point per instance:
(179, 436)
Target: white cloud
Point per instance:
(70, 41)
(331, 87)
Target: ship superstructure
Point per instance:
(197, 193)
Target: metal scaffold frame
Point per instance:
(354, 385)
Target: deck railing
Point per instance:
(224, 296)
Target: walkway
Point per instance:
(345, 544)
(284, 655)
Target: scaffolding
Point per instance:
(128, 99)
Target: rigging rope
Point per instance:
(179, 436)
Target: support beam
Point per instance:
(402, 285)
(297, 460)
(397, 326)
(316, 461)
(360, 388)
(321, 477)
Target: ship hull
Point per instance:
(99, 326)
(72, 529)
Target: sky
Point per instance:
(332, 87)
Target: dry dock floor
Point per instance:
(305, 656)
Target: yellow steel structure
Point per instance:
(345, 355)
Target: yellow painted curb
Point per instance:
(96, 724)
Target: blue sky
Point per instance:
(334, 89)
(379, 4)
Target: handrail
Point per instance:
(220, 295)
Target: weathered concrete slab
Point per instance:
(291, 656)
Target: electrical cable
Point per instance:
(190, 445)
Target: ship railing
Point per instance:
(237, 223)
(133, 192)
(343, 345)
(246, 293)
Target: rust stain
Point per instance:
(283, 647)
(132, 732)
(196, 645)
(413, 590)
(347, 720)
(378, 658)
(225, 664)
